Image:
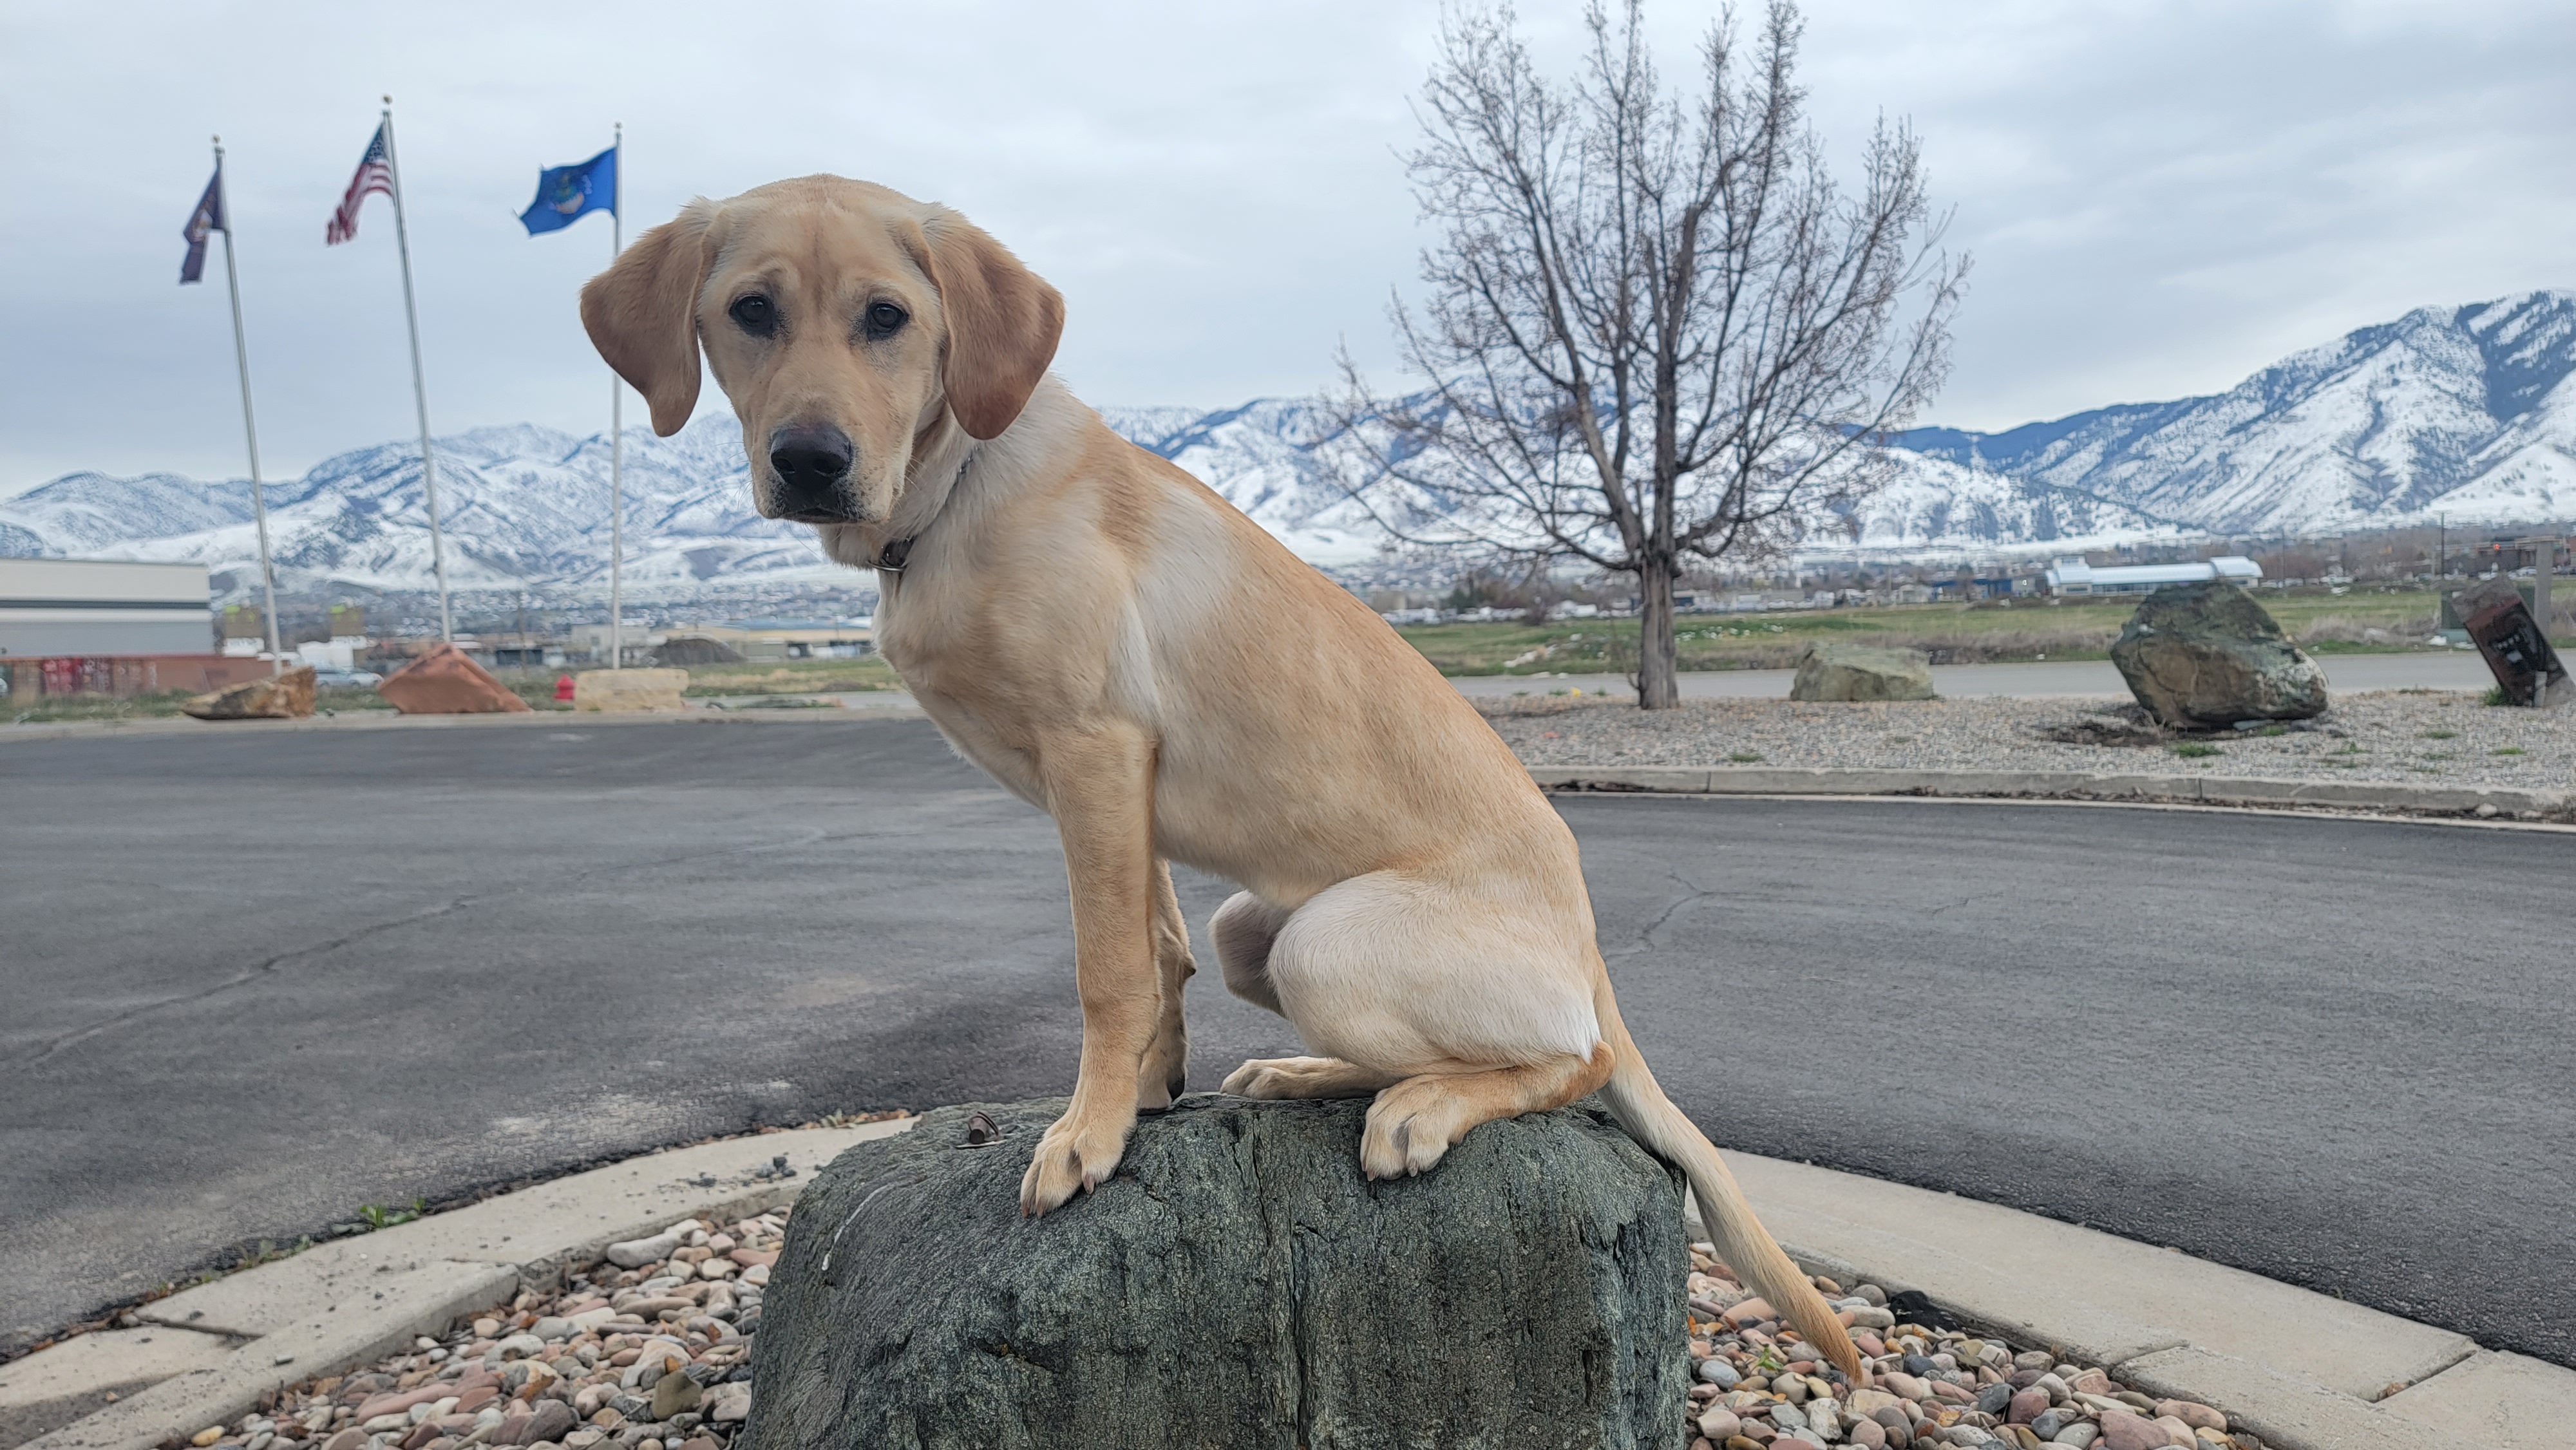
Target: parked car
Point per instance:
(326, 677)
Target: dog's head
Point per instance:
(843, 320)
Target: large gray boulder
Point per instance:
(1237, 1285)
(2205, 655)
(1837, 672)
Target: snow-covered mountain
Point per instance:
(2466, 411)
(528, 506)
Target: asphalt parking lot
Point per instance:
(257, 979)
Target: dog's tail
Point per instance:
(1638, 1102)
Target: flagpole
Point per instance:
(419, 388)
(250, 425)
(616, 424)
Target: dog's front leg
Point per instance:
(1099, 788)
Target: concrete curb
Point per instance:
(2074, 785)
(208, 1354)
(2304, 1371)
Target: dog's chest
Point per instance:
(956, 691)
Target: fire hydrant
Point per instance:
(563, 690)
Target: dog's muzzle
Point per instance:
(810, 469)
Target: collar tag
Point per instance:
(898, 552)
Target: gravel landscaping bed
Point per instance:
(2411, 737)
(655, 1355)
(1930, 1383)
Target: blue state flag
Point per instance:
(566, 193)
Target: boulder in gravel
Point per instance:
(2205, 655)
(1838, 672)
(1236, 1283)
(279, 697)
(446, 681)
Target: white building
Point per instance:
(54, 607)
(2074, 576)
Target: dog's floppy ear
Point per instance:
(1003, 322)
(642, 313)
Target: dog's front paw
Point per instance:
(1073, 1155)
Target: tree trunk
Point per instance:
(1658, 663)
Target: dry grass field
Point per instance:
(2324, 623)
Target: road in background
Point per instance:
(2046, 679)
(257, 979)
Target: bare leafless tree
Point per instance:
(1655, 332)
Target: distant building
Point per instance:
(2074, 576)
(95, 607)
(755, 639)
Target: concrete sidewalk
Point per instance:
(2303, 1371)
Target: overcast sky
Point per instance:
(2161, 197)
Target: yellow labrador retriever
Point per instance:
(1115, 643)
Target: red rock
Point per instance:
(280, 697)
(398, 1400)
(2026, 1407)
(751, 1258)
(470, 1398)
(2199, 1417)
(2124, 1431)
(1751, 1311)
(446, 681)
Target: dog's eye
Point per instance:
(755, 315)
(885, 319)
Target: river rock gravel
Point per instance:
(2412, 737)
(657, 1357)
(652, 1357)
(1931, 1383)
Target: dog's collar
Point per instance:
(895, 553)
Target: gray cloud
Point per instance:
(2161, 197)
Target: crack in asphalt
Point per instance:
(1969, 900)
(1646, 933)
(52, 1047)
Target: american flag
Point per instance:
(375, 174)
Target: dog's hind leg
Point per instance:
(1243, 930)
(1166, 1071)
(1306, 1077)
(1417, 1120)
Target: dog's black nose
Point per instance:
(810, 463)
